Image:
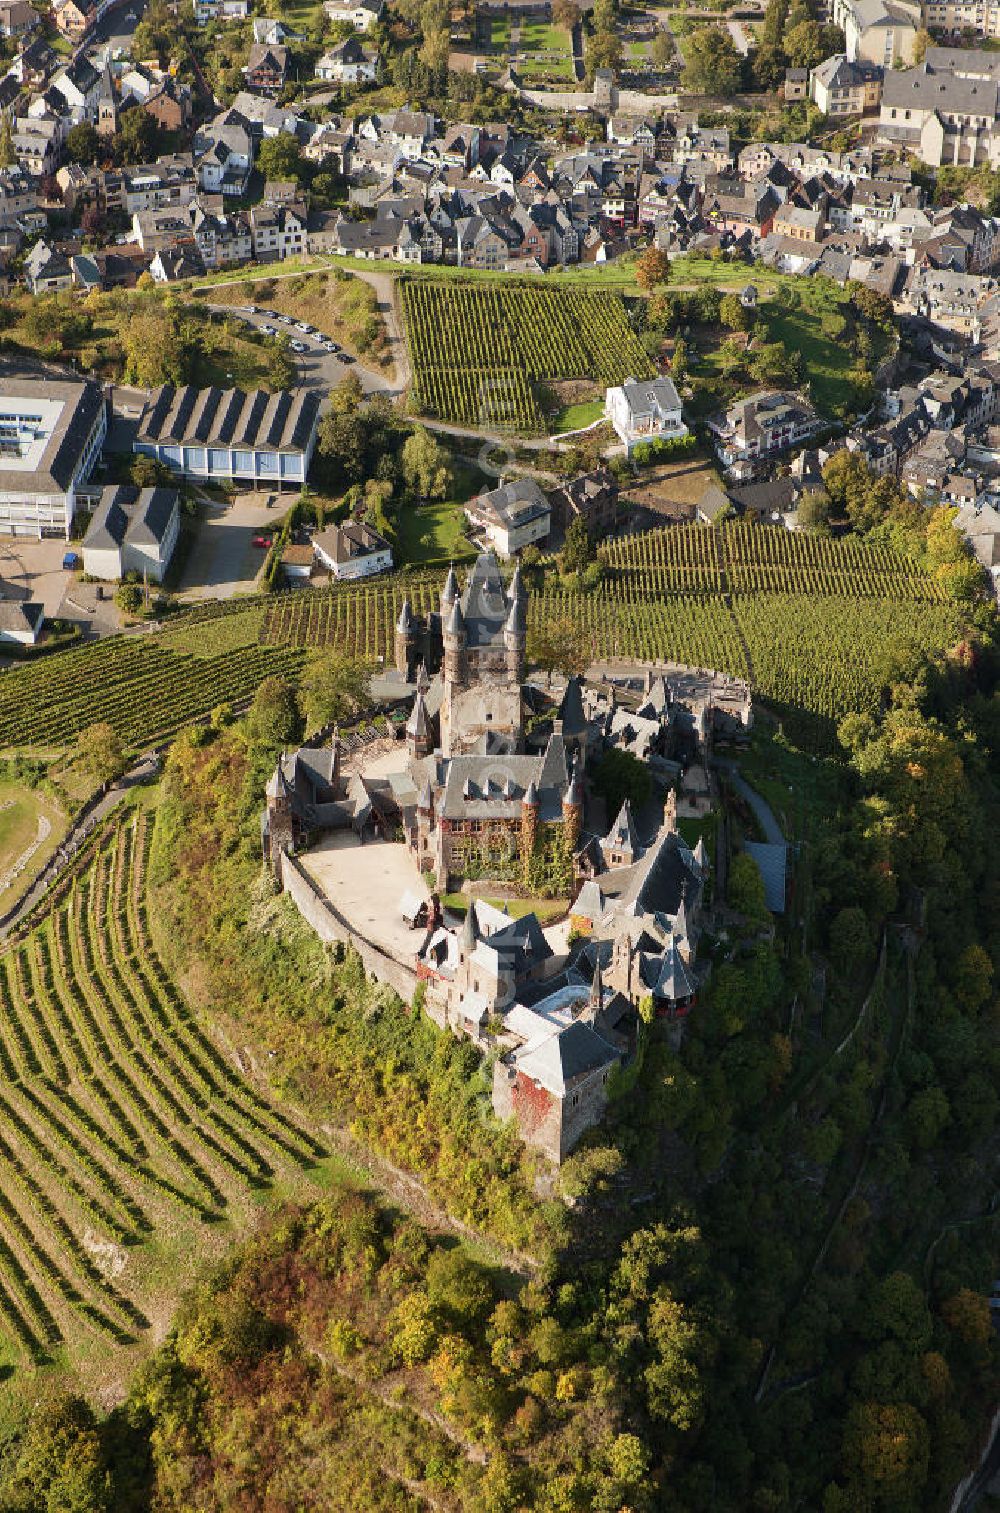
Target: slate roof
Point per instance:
(61, 457)
(564, 1056)
(230, 417)
(772, 861)
(125, 514)
(20, 617)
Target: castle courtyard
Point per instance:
(366, 884)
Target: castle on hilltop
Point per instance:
(480, 793)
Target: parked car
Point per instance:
(300, 325)
(329, 346)
(262, 541)
(268, 331)
(344, 357)
(298, 346)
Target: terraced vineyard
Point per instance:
(816, 624)
(121, 1121)
(144, 688)
(478, 348)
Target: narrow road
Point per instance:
(144, 768)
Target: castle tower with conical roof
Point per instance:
(405, 641)
(484, 633)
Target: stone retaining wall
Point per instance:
(330, 925)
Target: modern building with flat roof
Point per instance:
(253, 438)
(51, 432)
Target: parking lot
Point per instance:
(223, 559)
(32, 569)
(320, 362)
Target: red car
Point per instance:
(263, 541)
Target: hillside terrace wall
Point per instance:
(330, 925)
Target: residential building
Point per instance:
(349, 63)
(222, 237)
(173, 264)
(272, 32)
(17, 18)
(169, 182)
(132, 531)
(223, 155)
(839, 87)
(51, 431)
(878, 31)
(267, 69)
(961, 17)
(644, 410)
(762, 425)
(352, 550)
(220, 10)
(162, 230)
(512, 516)
(796, 86)
(21, 621)
(169, 104)
(593, 498)
(361, 14)
(278, 230)
(46, 270)
(253, 438)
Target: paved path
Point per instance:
(760, 806)
(144, 768)
(740, 36)
(387, 289)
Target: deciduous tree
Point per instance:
(426, 470)
(273, 718)
(712, 64)
(99, 752)
(652, 267)
(334, 688)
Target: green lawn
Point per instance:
(574, 417)
(230, 362)
(26, 843)
(545, 68)
(433, 534)
(500, 33)
(537, 37)
(547, 909)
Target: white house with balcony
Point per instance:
(643, 410)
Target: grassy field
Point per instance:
(574, 417)
(32, 824)
(433, 534)
(547, 909)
